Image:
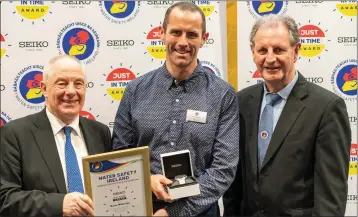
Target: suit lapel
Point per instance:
(47, 145)
(254, 112)
(289, 115)
(90, 139)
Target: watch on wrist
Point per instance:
(181, 179)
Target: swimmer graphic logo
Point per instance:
(80, 40)
(344, 79)
(27, 88)
(264, 7)
(119, 12)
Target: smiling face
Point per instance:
(65, 89)
(183, 38)
(274, 56)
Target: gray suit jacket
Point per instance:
(32, 180)
(305, 169)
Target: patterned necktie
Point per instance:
(266, 126)
(74, 179)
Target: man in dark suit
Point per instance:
(41, 153)
(295, 136)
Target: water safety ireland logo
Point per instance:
(344, 79)
(80, 40)
(27, 88)
(119, 12)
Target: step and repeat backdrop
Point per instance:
(328, 57)
(116, 40)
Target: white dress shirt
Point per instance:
(77, 140)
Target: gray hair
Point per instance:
(273, 20)
(49, 67)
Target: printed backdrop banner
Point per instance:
(328, 56)
(117, 41)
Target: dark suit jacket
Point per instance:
(305, 169)
(32, 180)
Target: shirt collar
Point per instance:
(58, 125)
(285, 92)
(168, 80)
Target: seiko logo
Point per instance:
(347, 40)
(176, 165)
(160, 2)
(316, 80)
(76, 2)
(2, 87)
(23, 44)
(307, 2)
(209, 41)
(353, 119)
(351, 197)
(90, 85)
(120, 43)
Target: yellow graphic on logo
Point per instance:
(32, 12)
(207, 9)
(34, 93)
(353, 168)
(118, 7)
(308, 50)
(348, 9)
(266, 7)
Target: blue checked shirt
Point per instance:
(153, 113)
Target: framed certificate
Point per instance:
(119, 182)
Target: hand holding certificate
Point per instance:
(119, 182)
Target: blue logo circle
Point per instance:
(347, 80)
(78, 42)
(269, 7)
(97, 166)
(120, 9)
(208, 69)
(30, 88)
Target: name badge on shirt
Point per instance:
(196, 116)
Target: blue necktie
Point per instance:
(266, 126)
(74, 179)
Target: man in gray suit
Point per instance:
(41, 167)
(294, 135)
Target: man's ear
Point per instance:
(297, 50)
(205, 37)
(44, 88)
(252, 47)
(162, 34)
